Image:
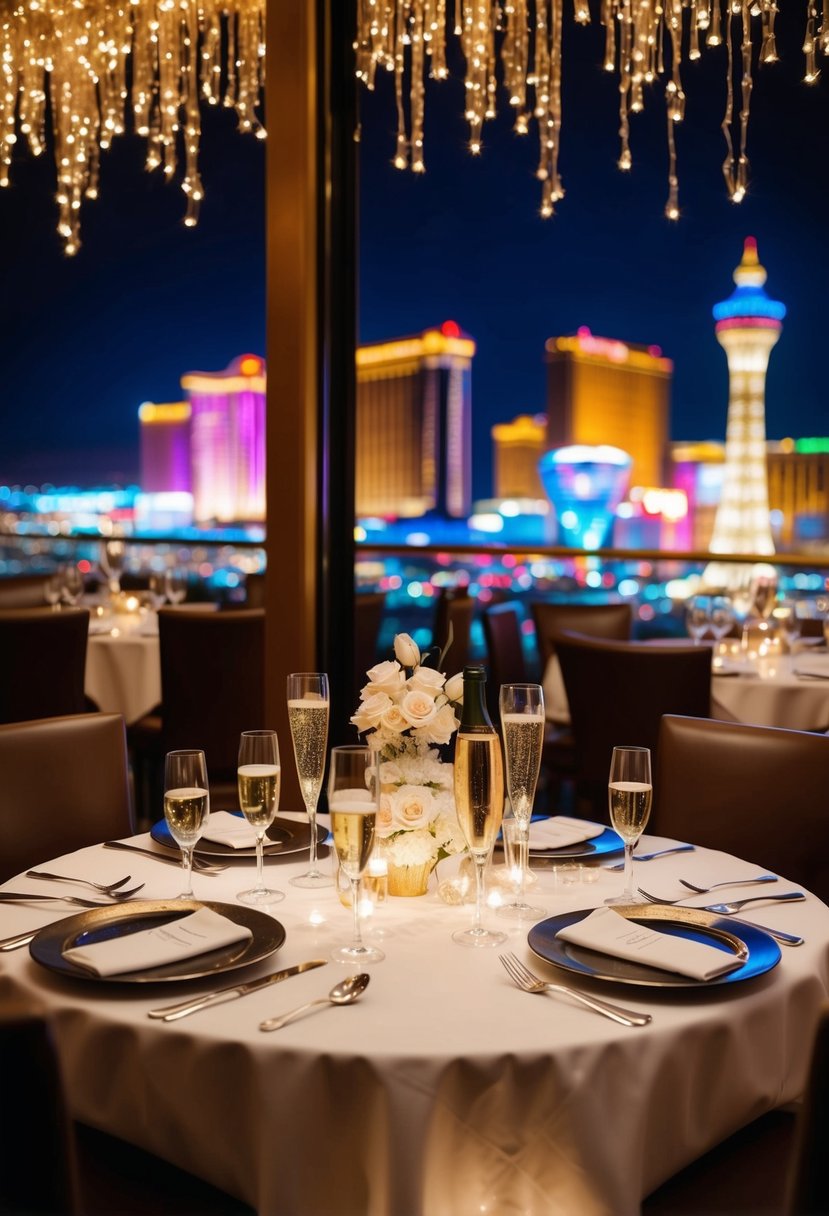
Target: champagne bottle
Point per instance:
(479, 768)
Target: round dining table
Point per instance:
(445, 1090)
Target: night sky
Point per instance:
(146, 300)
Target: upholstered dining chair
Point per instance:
(456, 607)
(212, 688)
(618, 693)
(757, 791)
(65, 784)
(43, 660)
(610, 621)
(368, 618)
(23, 591)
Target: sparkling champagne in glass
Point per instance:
(308, 718)
(630, 792)
(353, 792)
(258, 777)
(522, 727)
(186, 805)
(479, 794)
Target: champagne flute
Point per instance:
(630, 792)
(522, 727)
(186, 805)
(353, 791)
(258, 778)
(308, 718)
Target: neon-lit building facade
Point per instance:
(602, 391)
(748, 325)
(165, 447)
(227, 441)
(585, 485)
(414, 425)
(517, 448)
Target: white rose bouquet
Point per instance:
(407, 711)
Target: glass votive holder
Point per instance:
(568, 874)
(511, 836)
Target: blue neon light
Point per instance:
(749, 301)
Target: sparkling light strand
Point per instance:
(104, 62)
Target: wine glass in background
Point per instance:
(175, 585)
(698, 616)
(258, 776)
(522, 728)
(52, 591)
(186, 805)
(308, 718)
(630, 791)
(722, 616)
(353, 793)
(157, 591)
(111, 559)
(786, 615)
(71, 584)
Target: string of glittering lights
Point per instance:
(91, 70)
(645, 41)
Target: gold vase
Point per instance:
(409, 880)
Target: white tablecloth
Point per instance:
(445, 1091)
(123, 673)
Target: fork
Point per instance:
(730, 908)
(11, 897)
(108, 888)
(203, 867)
(740, 882)
(524, 979)
(677, 848)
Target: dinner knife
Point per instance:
(171, 1013)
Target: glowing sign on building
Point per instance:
(585, 485)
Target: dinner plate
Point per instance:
(689, 923)
(101, 924)
(599, 846)
(283, 838)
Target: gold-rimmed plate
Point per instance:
(284, 838)
(759, 952)
(119, 920)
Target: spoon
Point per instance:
(343, 993)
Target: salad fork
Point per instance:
(25, 897)
(524, 979)
(107, 888)
(739, 882)
(728, 909)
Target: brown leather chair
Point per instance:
(455, 607)
(757, 791)
(618, 693)
(212, 688)
(65, 785)
(368, 617)
(23, 591)
(43, 661)
(610, 621)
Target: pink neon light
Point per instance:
(747, 323)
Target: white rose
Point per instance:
(441, 727)
(454, 688)
(394, 720)
(413, 806)
(418, 708)
(385, 677)
(371, 710)
(406, 650)
(426, 679)
(384, 819)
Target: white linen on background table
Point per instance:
(445, 1091)
(123, 673)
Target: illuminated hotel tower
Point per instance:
(748, 326)
(414, 425)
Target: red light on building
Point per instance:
(450, 329)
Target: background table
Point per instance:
(770, 693)
(445, 1091)
(123, 673)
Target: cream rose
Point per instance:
(385, 677)
(393, 719)
(371, 710)
(441, 727)
(454, 687)
(406, 650)
(426, 679)
(413, 806)
(384, 819)
(418, 708)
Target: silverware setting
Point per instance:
(171, 1013)
(786, 939)
(738, 882)
(524, 979)
(728, 909)
(106, 888)
(203, 867)
(677, 848)
(12, 897)
(344, 993)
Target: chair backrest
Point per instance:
(64, 785)
(505, 650)
(757, 791)
(255, 590)
(368, 617)
(38, 1127)
(212, 681)
(43, 660)
(458, 608)
(23, 591)
(618, 693)
(610, 621)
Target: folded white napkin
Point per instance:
(197, 933)
(609, 933)
(561, 831)
(224, 828)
